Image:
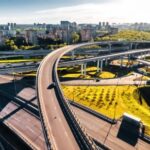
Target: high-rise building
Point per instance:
(31, 36)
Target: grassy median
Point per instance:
(19, 60)
(111, 101)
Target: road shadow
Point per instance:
(11, 89)
(129, 133)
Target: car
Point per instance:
(52, 85)
(148, 82)
(97, 79)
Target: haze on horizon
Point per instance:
(81, 11)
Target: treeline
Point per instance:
(17, 43)
(128, 35)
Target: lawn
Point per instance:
(91, 71)
(106, 75)
(111, 101)
(70, 72)
(125, 62)
(76, 75)
(26, 74)
(19, 60)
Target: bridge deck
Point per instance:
(95, 127)
(27, 126)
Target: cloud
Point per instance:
(114, 11)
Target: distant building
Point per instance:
(114, 30)
(2, 40)
(66, 36)
(31, 36)
(86, 35)
(65, 25)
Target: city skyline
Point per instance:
(85, 11)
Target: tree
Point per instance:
(75, 37)
(10, 44)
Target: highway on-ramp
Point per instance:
(61, 129)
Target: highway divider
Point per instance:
(96, 114)
(84, 141)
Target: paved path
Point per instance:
(127, 80)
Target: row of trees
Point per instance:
(128, 35)
(16, 43)
(21, 43)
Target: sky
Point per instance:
(80, 11)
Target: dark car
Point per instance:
(52, 85)
(148, 82)
(97, 79)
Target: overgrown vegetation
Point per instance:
(127, 35)
(111, 101)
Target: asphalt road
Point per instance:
(126, 80)
(98, 129)
(58, 130)
(20, 121)
(54, 122)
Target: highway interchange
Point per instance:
(46, 76)
(59, 122)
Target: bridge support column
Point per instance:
(131, 46)
(72, 55)
(110, 48)
(129, 60)
(82, 69)
(98, 63)
(129, 56)
(136, 45)
(106, 62)
(144, 56)
(101, 65)
(121, 64)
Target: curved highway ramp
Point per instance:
(60, 126)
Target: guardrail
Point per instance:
(47, 140)
(98, 115)
(108, 56)
(27, 106)
(145, 138)
(18, 69)
(83, 140)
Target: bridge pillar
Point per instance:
(106, 62)
(101, 65)
(129, 56)
(136, 45)
(144, 56)
(131, 46)
(84, 68)
(98, 63)
(110, 48)
(72, 55)
(121, 64)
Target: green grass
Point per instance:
(111, 101)
(19, 60)
(106, 75)
(26, 74)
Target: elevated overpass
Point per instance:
(56, 114)
(144, 62)
(24, 52)
(18, 69)
(104, 59)
(59, 123)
